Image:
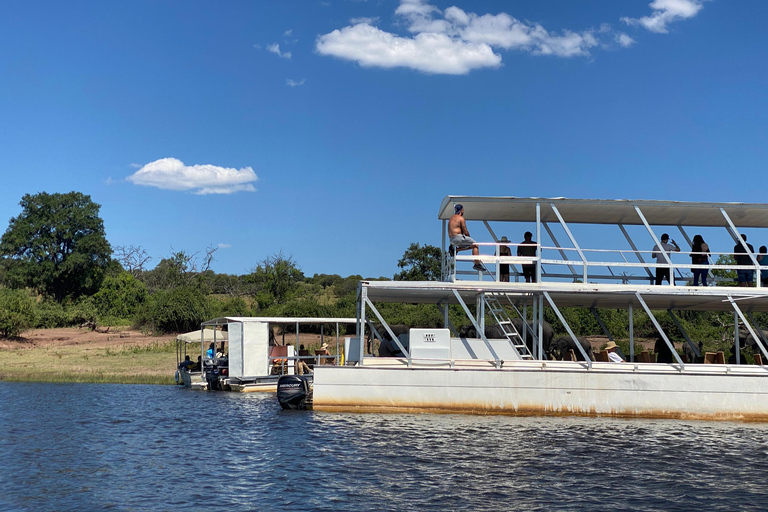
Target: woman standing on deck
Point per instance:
(699, 256)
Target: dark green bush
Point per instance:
(178, 310)
(17, 312)
(120, 296)
(51, 314)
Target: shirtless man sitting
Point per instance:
(460, 240)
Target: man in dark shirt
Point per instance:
(527, 248)
(746, 277)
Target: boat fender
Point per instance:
(177, 377)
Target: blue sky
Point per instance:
(331, 130)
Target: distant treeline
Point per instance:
(57, 269)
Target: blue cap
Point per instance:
(457, 208)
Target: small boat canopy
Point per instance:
(194, 336)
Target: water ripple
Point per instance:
(135, 448)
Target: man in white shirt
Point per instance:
(613, 356)
(662, 272)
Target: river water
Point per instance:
(91, 447)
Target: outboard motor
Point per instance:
(293, 392)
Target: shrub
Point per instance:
(17, 312)
(181, 309)
(51, 314)
(120, 296)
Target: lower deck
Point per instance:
(700, 391)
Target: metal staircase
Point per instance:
(499, 313)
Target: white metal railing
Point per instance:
(587, 266)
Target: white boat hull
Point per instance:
(549, 387)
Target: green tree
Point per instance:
(419, 264)
(120, 297)
(275, 278)
(17, 312)
(57, 245)
(181, 309)
(725, 259)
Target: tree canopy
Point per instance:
(419, 264)
(57, 245)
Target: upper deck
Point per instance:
(604, 241)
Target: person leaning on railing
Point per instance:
(762, 258)
(746, 277)
(699, 256)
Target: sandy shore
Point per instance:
(118, 355)
(83, 355)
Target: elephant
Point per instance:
(690, 356)
(558, 348)
(389, 348)
(747, 341)
(663, 352)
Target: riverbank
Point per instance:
(114, 355)
(117, 355)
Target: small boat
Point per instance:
(242, 354)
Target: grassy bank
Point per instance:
(122, 364)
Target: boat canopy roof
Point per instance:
(615, 296)
(195, 336)
(277, 320)
(606, 211)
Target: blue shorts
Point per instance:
(746, 276)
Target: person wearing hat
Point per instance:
(323, 351)
(459, 234)
(504, 267)
(612, 354)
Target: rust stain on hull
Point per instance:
(538, 411)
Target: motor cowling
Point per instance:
(293, 392)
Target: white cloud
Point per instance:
(288, 32)
(275, 48)
(449, 42)
(624, 40)
(294, 83)
(666, 12)
(172, 174)
(456, 42)
(430, 52)
(223, 246)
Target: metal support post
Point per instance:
(538, 241)
(661, 331)
(740, 314)
(637, 252)
(541, 328)
(389, 330)
(684, 333)
(759, 328)
(631, 332)
(736, 336)
(559, 248)
(600, 322)
(362, 298)
(573, 240)
(568, 328)
(480, 306)
(481, 332)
